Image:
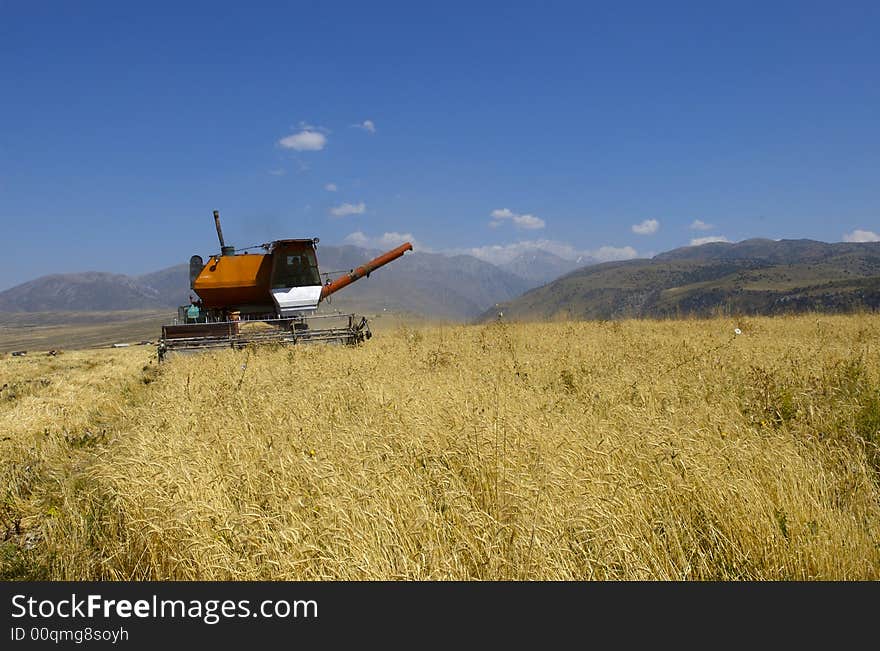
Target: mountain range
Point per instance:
(756, 276)
(429, 284)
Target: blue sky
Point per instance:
(605, 129)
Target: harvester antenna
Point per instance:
(266, 246)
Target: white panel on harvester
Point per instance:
(292, 300)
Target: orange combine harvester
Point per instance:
(246, 298)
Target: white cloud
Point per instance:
(331, 187)
(305, 140)
(346, 209)
(357, 239)
(278, 172)
(859, 235)
(499, 253)
(528, 222)
(384, 241)
(697, 241)
(502, 253)
(647, 227)
(700, 225)
(367, 125)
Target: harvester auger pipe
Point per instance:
(364, 269)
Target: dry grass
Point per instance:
(615, 450)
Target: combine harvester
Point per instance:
(246, 298)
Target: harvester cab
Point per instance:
(295, 280)
(246, 298)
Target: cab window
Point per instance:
(296, 269)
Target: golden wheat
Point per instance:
(597, 450)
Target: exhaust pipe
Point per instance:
(224, 250)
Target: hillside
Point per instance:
(538, 267)
(171, 284)
(81, 291)
(751, 277)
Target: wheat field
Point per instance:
(630, 450)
